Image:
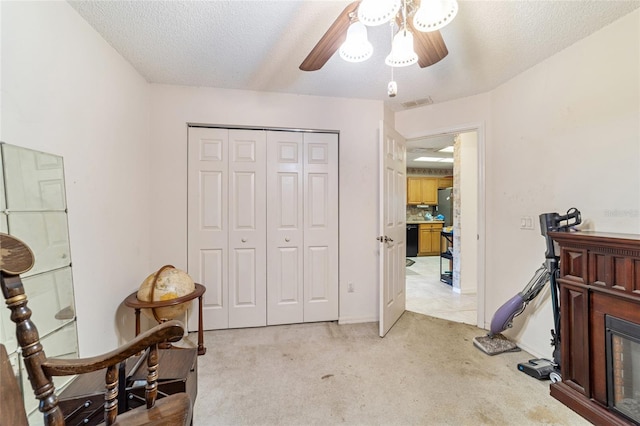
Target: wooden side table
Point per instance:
(132, 302)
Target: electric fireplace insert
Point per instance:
(623, 367)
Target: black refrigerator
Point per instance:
(445, 205)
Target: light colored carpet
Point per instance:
(426, 371)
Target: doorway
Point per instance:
(428, 291)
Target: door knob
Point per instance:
(244, 240)
(287, 239)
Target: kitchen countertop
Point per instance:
(414, 222)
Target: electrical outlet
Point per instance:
(350, 287)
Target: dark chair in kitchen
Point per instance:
(16, 258)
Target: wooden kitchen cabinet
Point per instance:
(429, 239)
(414, 190)
(422, 190)
(445, 182)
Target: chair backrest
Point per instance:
(12, 412)
(16, 258)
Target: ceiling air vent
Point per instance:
(417, 103)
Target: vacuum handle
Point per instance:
(573, 218)
(553, 222)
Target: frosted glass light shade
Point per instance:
(377, 12)
(402, 53)
(434, 14)
(356, 48)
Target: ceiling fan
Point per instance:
(429, 46)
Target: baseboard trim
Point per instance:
(356, 320)
(532, 351)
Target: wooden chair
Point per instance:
(16, 258)
(11, 404)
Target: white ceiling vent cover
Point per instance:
(417, 103)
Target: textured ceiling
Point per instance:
(258, 45)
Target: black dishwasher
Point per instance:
(412, 240)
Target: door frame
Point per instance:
(479, 128)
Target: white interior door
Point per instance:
(232, 226)
(285, 229)
(320, 227)
(392, 237)
(207, 235)
(247, 228)
(302, 235)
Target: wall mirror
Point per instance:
(33, 208)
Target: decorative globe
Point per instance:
(166, 284)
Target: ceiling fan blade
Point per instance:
(429, 47)
(330, 41)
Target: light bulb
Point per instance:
(377, 12)
(434, 14)
(356, 48)
(402, 53)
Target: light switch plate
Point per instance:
(526, 222)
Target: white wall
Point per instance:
(565, 133)
(1, 72)
(67, 92)
(357, 120)
(468, 187)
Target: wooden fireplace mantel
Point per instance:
(599, 276)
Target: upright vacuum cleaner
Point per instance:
(494, 342)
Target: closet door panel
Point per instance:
(244, 284)
(318, 202)
(247, 233)
(285, 228)
(284, 286)
(243, 200)
(320, 227)
(211, 269)
(207, 235)
(211, 184)
(318, 264)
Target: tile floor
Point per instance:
(427, 295)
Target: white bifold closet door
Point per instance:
(227, 225)
(263, 226)
(302, 227)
